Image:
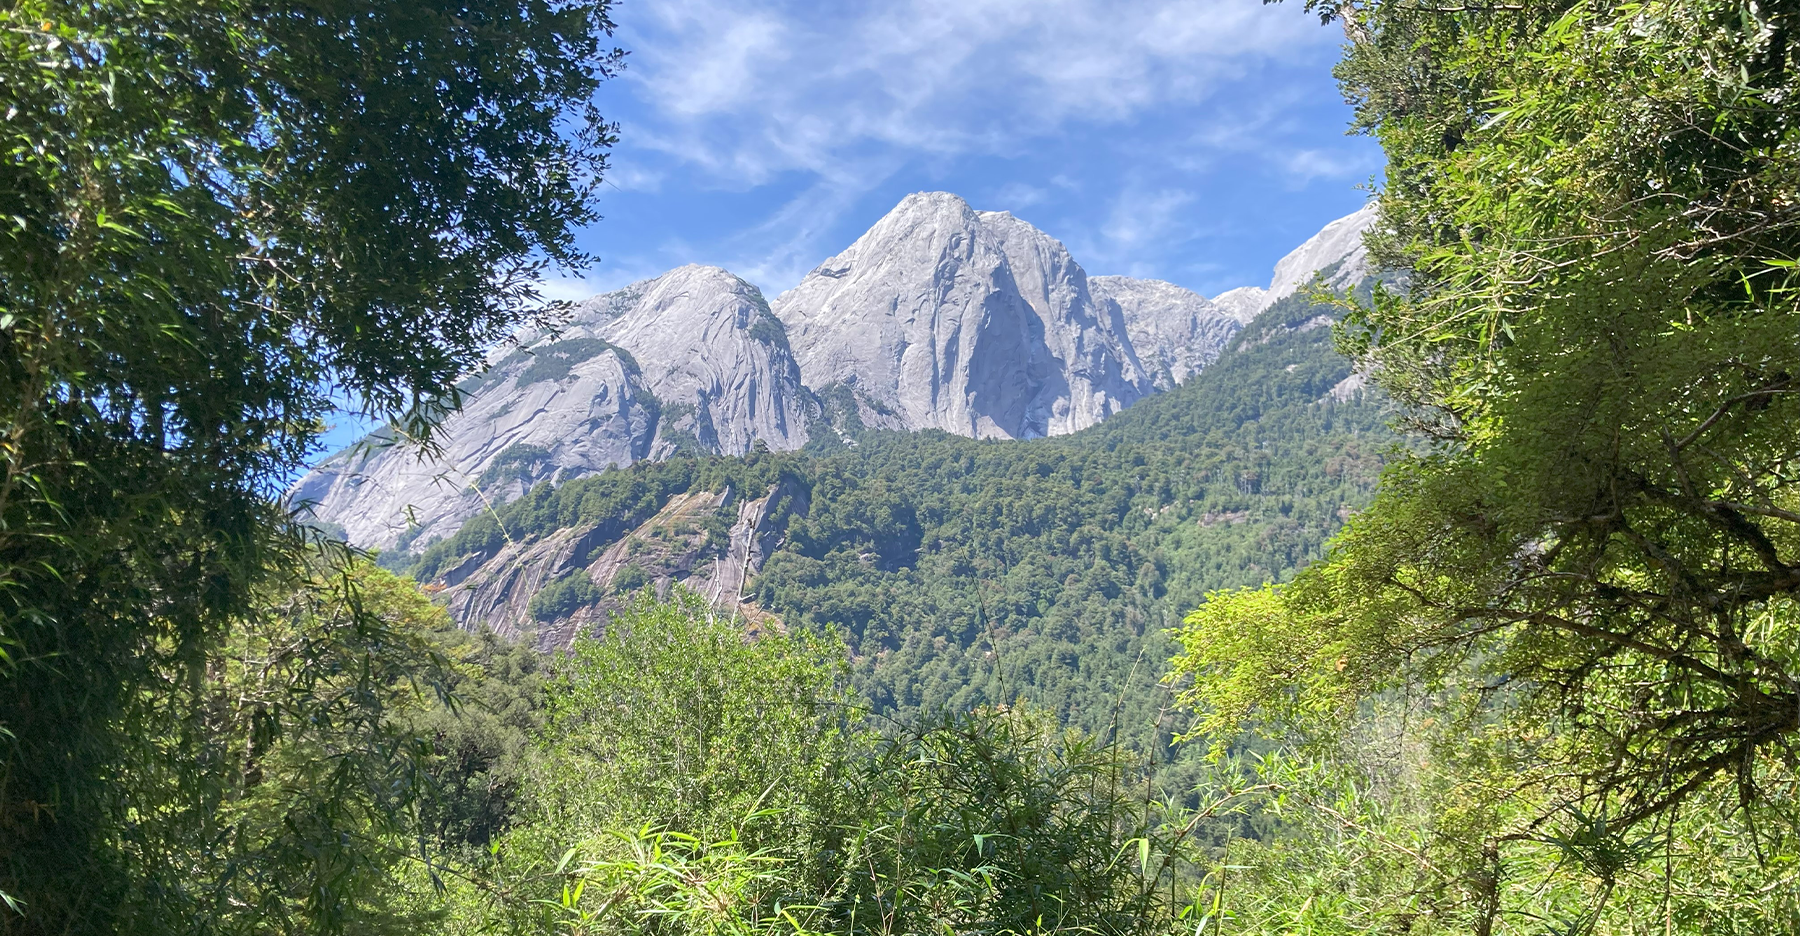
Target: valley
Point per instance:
(857, 558)
(1043, 562)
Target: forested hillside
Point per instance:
(965, 572)
(1543, 678)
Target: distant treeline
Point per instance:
(965, 572)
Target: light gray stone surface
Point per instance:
(976, 323)
(1242, 303)
(495, 592)
(690, 359)
(1096, 371)
(939, 317)
(513, 431)
(1339, 243)
(1345, 390)
(712, 353)
(1176, 332)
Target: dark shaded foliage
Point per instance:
(224, 218)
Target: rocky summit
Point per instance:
(976, 323)
(689, 361)
(939, 317)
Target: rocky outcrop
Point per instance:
(1346, 390)
(976, 323)
(568, 409)
(691, 360)
(672, 548)
(1337, 250)
(1096, 371)
(1242, 303)
(713, 354)
(1175, 332)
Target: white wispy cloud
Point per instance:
(781, 249)
(566, 288)
(1140, 216)
(1305, 165)
(633, 175)
(1016, 195)
(756, 88)
(828, 102)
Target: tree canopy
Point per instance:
(1597, 552)
(219, 220)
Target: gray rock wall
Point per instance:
(1176, 332)
(939, 317)
(573, 409)
(692, 359)
(971, 322)
(714, 355)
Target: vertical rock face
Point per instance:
(690, 360)
(976, 323)
(1096, 372)
(1337, 248)
(496, 591)
(1176, 332)
(714, 355)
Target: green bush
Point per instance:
(564, 597)
(690, 779)
(630, 578)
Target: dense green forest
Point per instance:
(965, 572)
(1545, 681)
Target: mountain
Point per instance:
(1176, 332)
(960, 569)
(1242, 303)
(963, 571)
(713, 354)
(976, 323)
(939, 317)
(691, 361)
(1336, 251)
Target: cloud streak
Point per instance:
(764, 135)
(751, 90)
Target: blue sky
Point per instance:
(1195, 141)
(1189, 140)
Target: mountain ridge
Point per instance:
(972, 322)
(959, 571)
(939, 317)
(690, 360)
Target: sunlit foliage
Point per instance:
(1584, 582)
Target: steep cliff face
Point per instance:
(976, 323)
(713, 354)
(570, 408)
(690, 360)
(608, 569)
(1176, 332)
(1097, 371)
(1337, 247)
